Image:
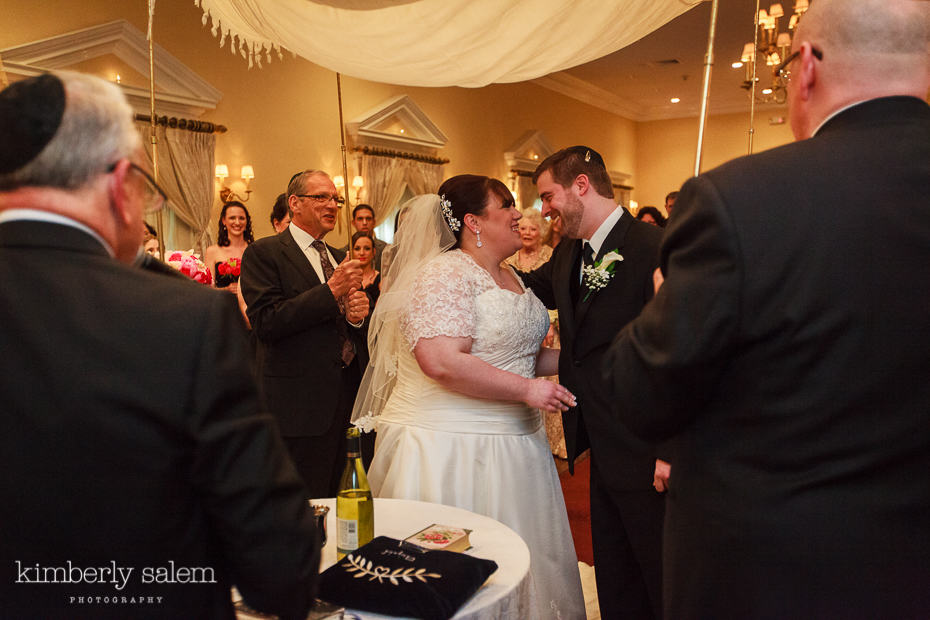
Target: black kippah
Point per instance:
(30, 114)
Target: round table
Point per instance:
(508, 591)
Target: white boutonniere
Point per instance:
(597, 276)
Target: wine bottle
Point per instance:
(355, 510)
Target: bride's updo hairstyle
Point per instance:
(469, 193)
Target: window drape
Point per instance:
(386, 178)
(185, 172)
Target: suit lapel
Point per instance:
(614, 241)
(295, 255)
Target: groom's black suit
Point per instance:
(626, 511)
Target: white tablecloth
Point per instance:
(508, 592)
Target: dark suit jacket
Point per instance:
(296, 319)
(789, 353)
(585, 332)
(130, 433)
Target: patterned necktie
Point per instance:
(348, 351)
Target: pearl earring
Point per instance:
(478, 234)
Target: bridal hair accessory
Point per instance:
(454, 223)
(478, 234)
(597, 276)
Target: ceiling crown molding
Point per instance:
(178, 90)
(398, 123)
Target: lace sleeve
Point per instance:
(442, 302)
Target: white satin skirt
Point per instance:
(488, 457)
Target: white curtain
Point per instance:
(437, 42)
(388, 176)
(185, 172)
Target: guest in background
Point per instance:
(235, 234)
(363, 247)
(532, 253)
(280, 214)
(651, 215)
(789, 362)
(363, 220)
(114, 453)
(555, 231)
(150, 240)
(670, 199)
(308, 314)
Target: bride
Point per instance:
(455, 346)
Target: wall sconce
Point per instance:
(246, 173)
(357, 183)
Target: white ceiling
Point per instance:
(637, 81)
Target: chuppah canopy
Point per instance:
(438, 42)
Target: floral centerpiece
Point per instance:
(187, 263)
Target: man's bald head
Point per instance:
(870, 49)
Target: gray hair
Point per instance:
(296, 185)
(533, 216)
(96, 131)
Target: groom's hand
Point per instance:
(544, 394)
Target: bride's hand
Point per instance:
(544, 394)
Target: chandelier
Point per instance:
(771, 46)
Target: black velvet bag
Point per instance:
(389, 576)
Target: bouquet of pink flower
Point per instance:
(187, 263)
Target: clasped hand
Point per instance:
(544, 394)
(346, 276)
(356, 304)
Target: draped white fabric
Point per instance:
(438, 42)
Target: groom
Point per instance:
(626, 511)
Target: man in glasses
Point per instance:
(787, 353)
(306, 309)
(140, 476)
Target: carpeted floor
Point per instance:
(577, 502)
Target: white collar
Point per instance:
(302, 237)
(600, 235)
(37, 215)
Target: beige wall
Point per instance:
(284, 117)
(665, 149)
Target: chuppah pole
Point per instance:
(159, 228)
(345, 166)
(755, 77)
(708, 66)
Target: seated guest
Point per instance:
(280, 214)
(651, 215)
(532, 253)
(137, 481)
(235, 234)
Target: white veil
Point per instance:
(422, 236)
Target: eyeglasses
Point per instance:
(154, 197)
(322, 199)
(781, 70)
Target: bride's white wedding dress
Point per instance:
(487, 456)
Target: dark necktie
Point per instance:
(587, 256)
(348, 351)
